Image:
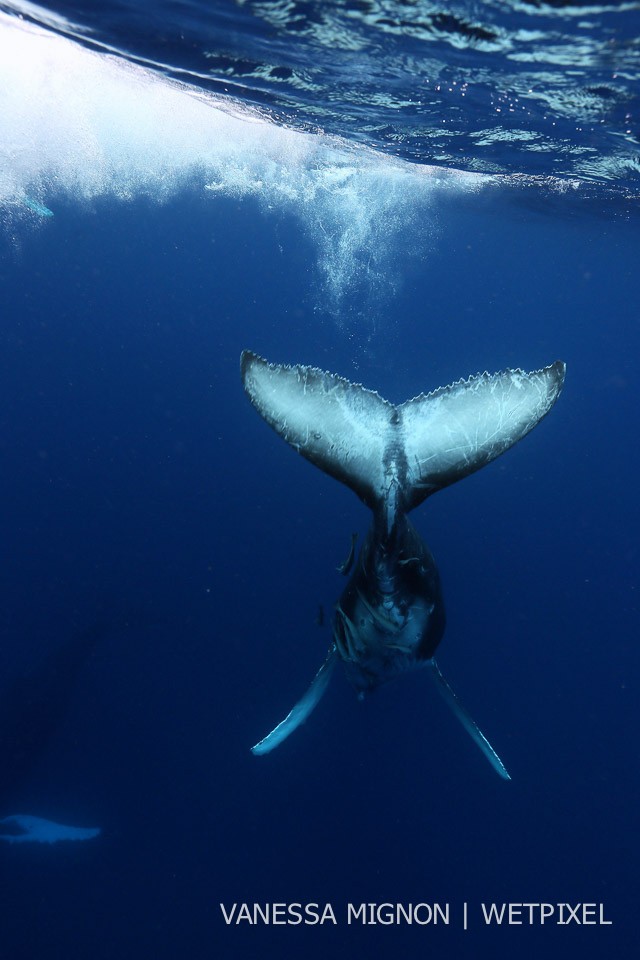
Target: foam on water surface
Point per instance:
(81, 124)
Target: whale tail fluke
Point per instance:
(354, 435)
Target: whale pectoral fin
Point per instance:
(23, 828)
(467, 722)
(302, 709)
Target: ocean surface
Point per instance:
(405, 194)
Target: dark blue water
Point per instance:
(147, 510)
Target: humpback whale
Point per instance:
(390, 617)
(32, 709)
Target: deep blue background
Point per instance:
(138, 485)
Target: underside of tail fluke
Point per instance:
(302, 709)
(467, 722)
(455, 430)
(425, 444)
(339, 426)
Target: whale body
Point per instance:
(390, 617)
